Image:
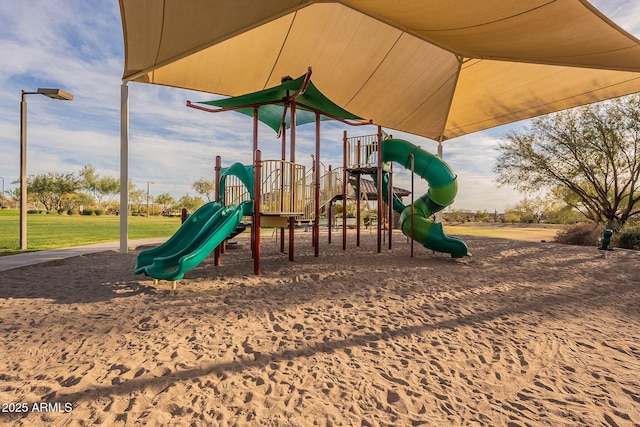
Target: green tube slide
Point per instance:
(200, 234)
(442, 191)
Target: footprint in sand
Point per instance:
(147, 324)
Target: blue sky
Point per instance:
(77, 45)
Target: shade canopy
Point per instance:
(432, 68)
(274, 103)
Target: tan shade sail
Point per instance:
(428, 67)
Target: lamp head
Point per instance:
(55, 94)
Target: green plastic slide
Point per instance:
(200, 234)
(442, 191)
(194, 241)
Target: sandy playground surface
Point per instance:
(520, 334)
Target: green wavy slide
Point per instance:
(443, 188)
(199, 235)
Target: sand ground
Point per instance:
(519, 334)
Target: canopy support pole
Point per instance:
(440, 154)
(124, 167)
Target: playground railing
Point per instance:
(362, 151)
(283, 187)
(330, 186)
(235, 192)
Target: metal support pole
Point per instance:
(256, 210)
(344, 192)
(148, 182)
(283, 157)
(412, 158)
(390, 203)
(124, 167)
(358, 195)
(218, 198)
(292, 184)
(316, 219)
(258, 183)
(440, 154)
(330, 212)
(379, 195)
(2, 194)
(23, 172)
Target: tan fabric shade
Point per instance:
(432, 68)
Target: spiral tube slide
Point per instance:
(442, 191)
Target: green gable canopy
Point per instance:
(273, 101)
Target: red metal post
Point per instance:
(330, 212)
(283, 127)
(316, 219)
(257, 196)
(344, 192)
(390, 203)
(313, 182)
(379, 195)
(292, 184)
(358, 195)
(218, 198)
(411, 157)
(255, 149)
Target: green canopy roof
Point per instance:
(273, 101)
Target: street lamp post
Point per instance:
(148, 182)
(2, 194)
(50, 93)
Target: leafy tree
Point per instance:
(511, 216)
(73, 201)
(593, 151)
(191, 203)
(137, 196)
(558, 207)
(481, 216)
(166, 200)
(458, 215)
(528, 210)
(49, 188)
(205, 188)
(99, 186)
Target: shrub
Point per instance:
(87, 211)
(629, 237)
(582, 234)
(99, 212)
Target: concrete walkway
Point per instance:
(30, 258)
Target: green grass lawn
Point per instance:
(61, 231)
(526, 232)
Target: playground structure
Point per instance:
(281, 194)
